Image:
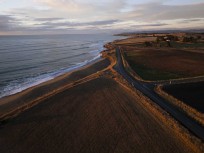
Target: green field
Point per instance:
(153, 74)
(165, 64)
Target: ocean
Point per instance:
(26, 61)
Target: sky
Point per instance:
(98, 16)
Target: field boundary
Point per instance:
(193, 113)
(173, 81)
(15, 112)
(163, 116)
(129, 69)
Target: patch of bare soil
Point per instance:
(97, 116)
(190, 93)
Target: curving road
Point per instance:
(148, 90)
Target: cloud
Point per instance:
(105, 22)
(158, 11)
(4, 22)
(66, 24)
(155, 25)
(48, 19)
(56, 15)
(8, 23)
(191, 20)
(88, 8)
(65, 5)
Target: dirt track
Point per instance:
(97, 116)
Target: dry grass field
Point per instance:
(162, 64)
(97, 116)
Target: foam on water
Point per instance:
(27, 61)
(16, 87)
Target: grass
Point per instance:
(164, 64)
(184, 45)
(153, 74)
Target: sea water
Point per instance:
(26, 61)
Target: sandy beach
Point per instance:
(85, 111)
(10, 103)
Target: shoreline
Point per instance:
(12, 103)
(56, 74)
(97, 98)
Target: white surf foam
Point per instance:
(16, 87)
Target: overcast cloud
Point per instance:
(90, 16)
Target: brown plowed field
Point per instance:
(190, 93)
(99, 116)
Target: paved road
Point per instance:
(179, 81)
(148, 90)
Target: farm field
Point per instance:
(163, 64)
(190, 93)
(154, 60)
(97, 116)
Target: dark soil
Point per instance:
(190, 93)
(95, 117)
